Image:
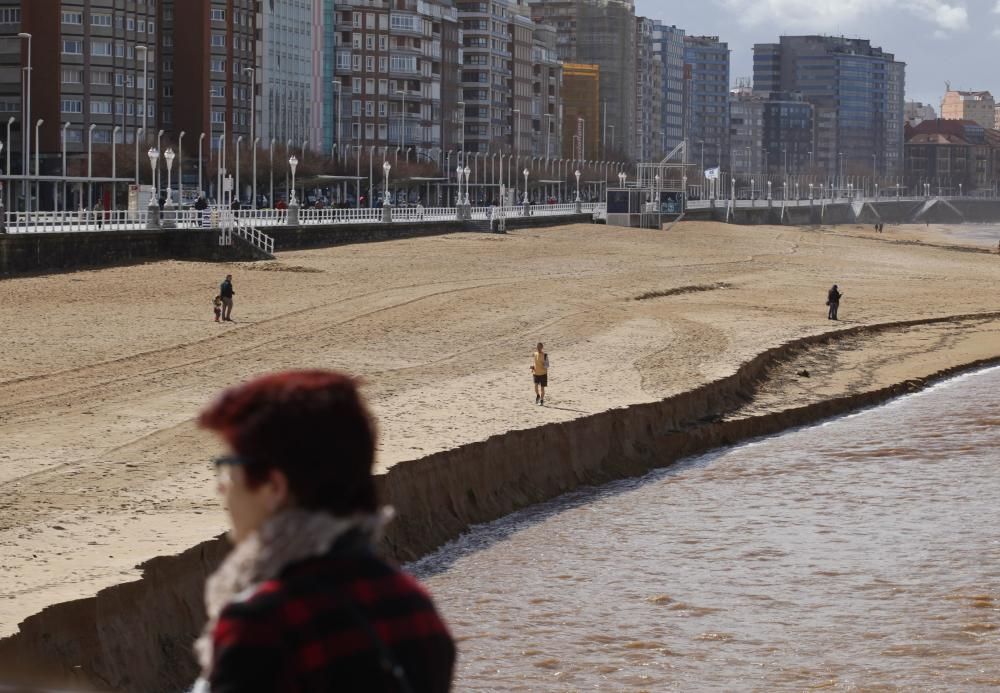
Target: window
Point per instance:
(218, 40)
(74, 136)
(343, 60)
(369, 108)
(218, 65)
(370, 42)
(72, 106)
(100, 77)
(356, 41)
(10, 15)
(102, 136)
(100, 107)
(71, 47)
(168, 90)
(382, 110)
(151, 27)
(100, 20)
(369, 86)
(141, 27)
(383, 87)
(101, 49)
(356, 85)
(218, 117)
(357, 20)
(218, 91)
(356, 62)
(383, 64)
(72, 17)
(370, 64)
(130, 24)
(72, 76)
(218, 15)
(383, 42)
(355, 107)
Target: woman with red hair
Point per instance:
(302, 603)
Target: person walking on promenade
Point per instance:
(540, 371)
(833, 297)
(201, 206)
(226, 292)
(302, 602)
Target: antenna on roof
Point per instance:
(947, 85)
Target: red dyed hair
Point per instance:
(313, 426)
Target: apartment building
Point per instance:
(547, 86)
(209, 60)
(88, 82)
(581, 126)
(394, 75)
(602, 33)
(289, 80)
(668, 46)
(977, 106)
(648, 133)
(857, 91)
(707, 103)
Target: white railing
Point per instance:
(255, 237)
(216, 217)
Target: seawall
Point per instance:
(888, 211)
(137, 636)
(47, 253)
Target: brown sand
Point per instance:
(101, 466)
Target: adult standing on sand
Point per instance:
(226, 292)
(833, 297)
(540, 371)
(303, 602)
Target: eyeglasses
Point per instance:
(228, 461)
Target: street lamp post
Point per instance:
(201, 141)
(577, 174)
(168, 156)
(90, 165)
(253, 130)
(270, 150)
(526, 172)
(293, 205)
(26, 135)
(38, 125)
(114, 168)
(65, 128)
(10, 122)
(386, 207)
(402, 120)
(337, 111)
(154, 209)
(180, 168)
(467, 171)
(239, 191)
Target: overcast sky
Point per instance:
(939, 40)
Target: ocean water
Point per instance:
(859, 554)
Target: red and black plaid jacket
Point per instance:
(341, 622)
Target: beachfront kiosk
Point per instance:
(657, 195)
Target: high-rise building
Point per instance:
(582, 113)
(394, 72)
(746, 131)
(788, 134)
(648, 134)
(668, 44)
(857, 91)
(602, 33)
(707, 102)
(291, 41)
(208, 49)
(88, 86)
(547, 85)
(978, 106)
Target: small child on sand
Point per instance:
(217, 304)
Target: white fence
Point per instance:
(85, 220)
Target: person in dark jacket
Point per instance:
(226, 292)
(833, 297)
(303, 602)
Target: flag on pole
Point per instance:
(712, 173)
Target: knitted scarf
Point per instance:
(289, 537)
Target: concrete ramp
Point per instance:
(938, 211)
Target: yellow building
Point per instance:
(581, 112)
(978, 106)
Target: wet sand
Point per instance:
(103, 372)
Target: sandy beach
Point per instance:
(104, 371)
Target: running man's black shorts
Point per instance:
(542, 380)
